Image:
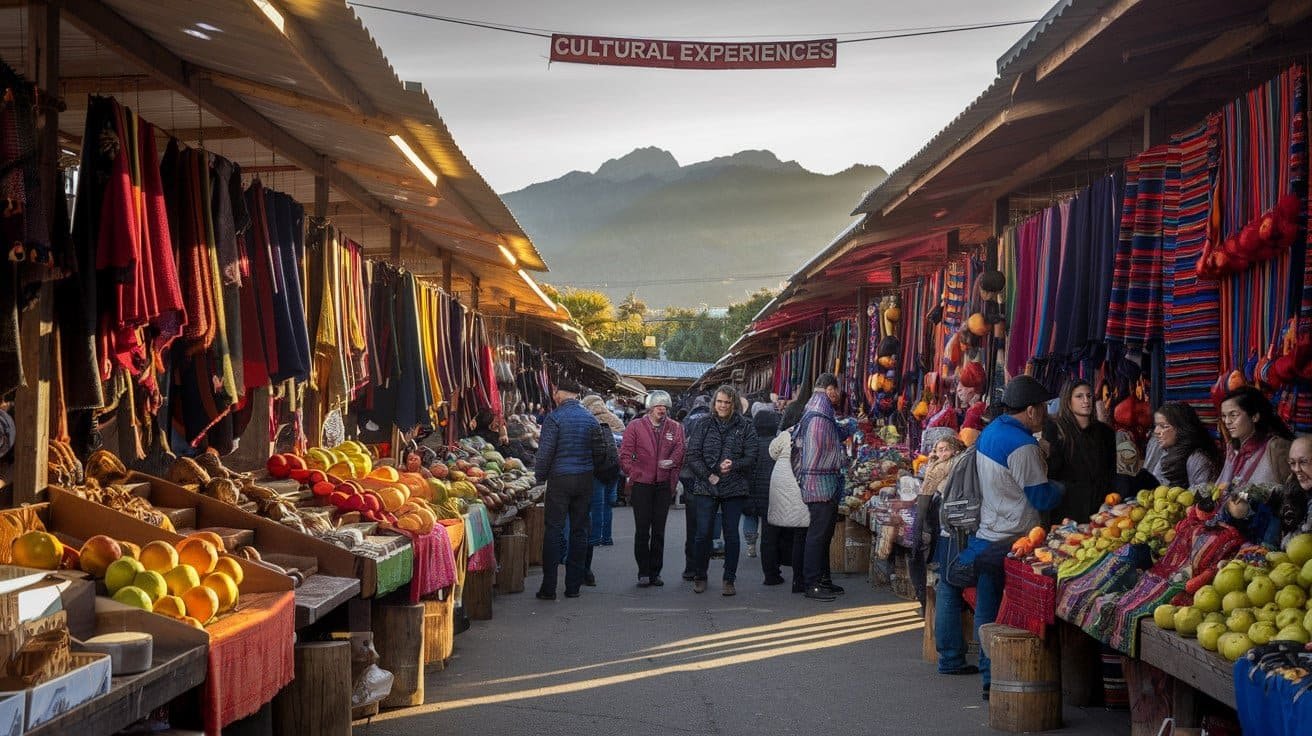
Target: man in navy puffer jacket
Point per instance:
(564, 463)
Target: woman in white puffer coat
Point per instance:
(787, 513)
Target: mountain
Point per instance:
(682, 235)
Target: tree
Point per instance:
(590, 311)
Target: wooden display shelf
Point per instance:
(179, 660)
(1187, 661)
(320, 594)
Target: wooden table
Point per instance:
(133, 697)
(1192, 668)
(320, 594)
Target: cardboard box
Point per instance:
(13, 713)
(38, 598)
(13, 640)
(89, 678)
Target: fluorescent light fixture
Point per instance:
(209, 28)
(202, 35)
(510, 257)
(273, 14)
(538, 290)
(410, 154)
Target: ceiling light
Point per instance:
(538, 290)
(510, 257)
(208, 27)
(273, 14)
(410, 154)
(197, 34)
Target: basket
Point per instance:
(1029, 600)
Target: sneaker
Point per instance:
(590, 580)
(799, 588)
(608, 543)
(965, 669)
(835, 589)
(689, 576)
(728, 589)
(544, 596)
(775, 580)
(699, 586)
(816, 594)
(751, 550)
(644, 581)
(572, 594)
(986, 691)
(656, 582)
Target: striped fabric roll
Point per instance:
(1135, 315)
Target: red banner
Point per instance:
(694, 54)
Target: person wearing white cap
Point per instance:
(651, 455)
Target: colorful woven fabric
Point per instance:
(1193, 317)
(1135, 312)
(250, 657)
(395, 570)
(435, 562)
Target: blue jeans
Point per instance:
(948, 603)
(608, 511)
(731, 510)
(988, 598)
(751, 526)
(597, 513)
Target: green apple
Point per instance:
(1260, 591)
(1215, 617)
(1289, 617)
(1240, 620)
(1285, 573)
(1307, 621)
(1229, 580)
(1268, 612)
(1292, 633)
(1207, 599)
(1304, 577)
(1275, 557)
(1233, 601)
(1164, 616)
(1299, 548)
(1187, 620)
(1235, 646)
(1291, 596)
(1209, 633)
(1262, 632)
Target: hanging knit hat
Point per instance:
(972, 376)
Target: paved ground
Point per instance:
(665, 661)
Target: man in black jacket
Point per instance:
(721, 452)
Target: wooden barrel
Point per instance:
(319, 699)
(534, 527)
(399, 638)
(1025, 694)
(439, 630)
(477, 597)
(511, 549)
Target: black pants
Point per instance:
(776, 548)
(568, 496)
(690, 529)
(815, 565)
(651, 506)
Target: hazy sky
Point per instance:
(520, 120)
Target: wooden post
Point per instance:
(399, 638)
(1081, 666)
(1025, 693)
(395, 242)
(473, 292)
(513, 306)
(319, 699)
(446, 273)
(534, 527)
(32, 403)
(1154, 126)
(477, 597)
(862, 344)
(512, 552)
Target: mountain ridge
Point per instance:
(675, 234)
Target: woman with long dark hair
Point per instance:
(1081, 453)
(1181, 452)
(1258, 450)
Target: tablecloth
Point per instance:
(435, 562)
(251, 657)
(395, 570)
(478, 529)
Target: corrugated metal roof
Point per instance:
(657, 368)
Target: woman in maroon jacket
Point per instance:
(652, 456)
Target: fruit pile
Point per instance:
(880, 469)
(1147, 519)
(1259, 597)
(192, 581)
(497, 481)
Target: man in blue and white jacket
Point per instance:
(1013, 477)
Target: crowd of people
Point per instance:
(775, 470)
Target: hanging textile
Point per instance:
(1193, 318)
(1135, 312)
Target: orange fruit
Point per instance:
(230, 567)
(37, 549)
(1112, 499)
(224, 587)
(210, 537)
(198, 553)
(181, 578)
(159, 556)
(171, 606)
(202, 603)
(1037, 535)
(1125, 523)
(192, 621)
(130, 549)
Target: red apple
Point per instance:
(322, 488)
(300, 475)
(277, 466)
(339, 499)
(295, 461)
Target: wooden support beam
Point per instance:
(394, 232)
(1279, 14)
(32, 403)
(111, 85)
(404, 179)
(1154, 126)
(321, 188)
(320, 64)
(1081, 38)
(446, 273)
(473, 291)
(513, 306)
(296, 101)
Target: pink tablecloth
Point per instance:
(435, 563)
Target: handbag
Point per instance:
(605, 458)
